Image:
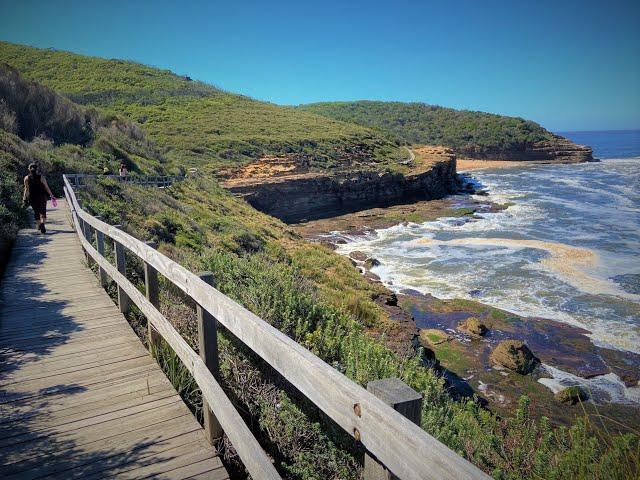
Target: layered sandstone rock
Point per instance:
(313, 195)
(558, 149)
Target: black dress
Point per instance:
(37, 195)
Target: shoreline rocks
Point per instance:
(473, 326)
(431, 337)
(514, 355)
(371, 262)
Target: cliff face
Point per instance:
(309, 196)
(558, 149)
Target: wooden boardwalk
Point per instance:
(80, 397)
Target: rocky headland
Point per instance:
(558, 149)
(293, 193)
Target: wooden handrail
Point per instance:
(402, 446)
(251, 453)
(79, 179)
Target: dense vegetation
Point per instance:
(194, 123)
(419, 123)
(310, 293)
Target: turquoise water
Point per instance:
(567, 247)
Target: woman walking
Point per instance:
(36, 194)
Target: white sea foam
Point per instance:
(603, 388)
(552, 253)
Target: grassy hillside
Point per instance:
(38, 125)
(195, 123)
(418, 123)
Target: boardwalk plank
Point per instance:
(80, 397)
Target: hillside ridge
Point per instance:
(194, 123)
(469, 133)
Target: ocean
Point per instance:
(567, 247)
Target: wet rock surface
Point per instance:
(514, 355)
(465, 360)
(371, 262)
(473, 326)
(431, 337)
(358, 256)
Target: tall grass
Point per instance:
(179, 376)
(197, 124)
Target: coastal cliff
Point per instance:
(313, 195)
(556, 149)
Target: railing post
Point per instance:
(403, 399)
(102, 275)
(208, 346)
(83, 227)
(153, 295)
(124, 302)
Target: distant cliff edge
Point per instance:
(556, 149)
(467, 133)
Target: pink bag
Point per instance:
(54, 202)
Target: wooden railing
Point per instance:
(392, 441)
(80, 180)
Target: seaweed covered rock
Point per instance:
(571, 395)
(430, 337)
(371, 262)
(473, 326)
(358, 256)
(514, 355)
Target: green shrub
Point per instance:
(419, 123)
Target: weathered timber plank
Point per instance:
(114, 443)
(115, 421)
(73, 388)
(24, 375)
(79, 394)
(76, 312)
(61, 405)
(252, 455)
(47, 426)
(74, 348)
(40, 385)
(154, 462)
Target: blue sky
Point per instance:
(568, 65)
